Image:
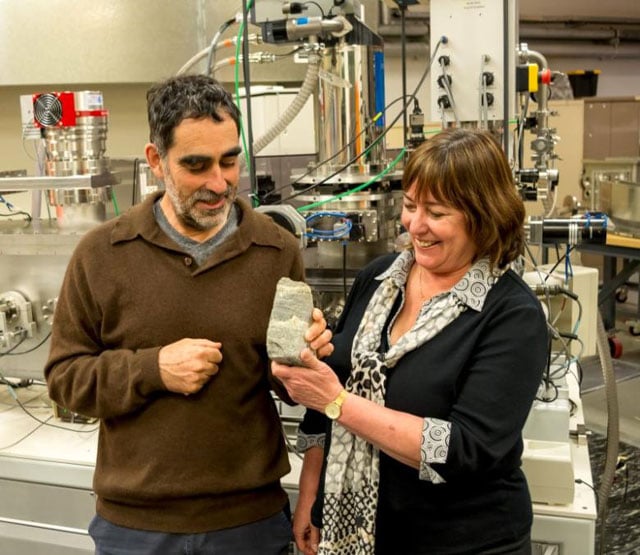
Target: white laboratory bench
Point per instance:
(47, 500)
(46, 477)
(571, 526)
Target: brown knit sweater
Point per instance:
(166, 461)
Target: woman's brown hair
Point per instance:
(467, 170)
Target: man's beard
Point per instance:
(187, 211)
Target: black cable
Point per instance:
(41, 422)
(290, 53)
(25, 382)
(316, 5)
(17, 213)
(548, 384)
(581, 481)
(221, 30)
(326, 161)
(11, 353)
(5, 381)
(379, 138)
(569, 249)
(46, 422)
(626, 483)
(523, 117)
(344, 269)
(23, 437)
(38, 396)
(531, 255)
(5, 353)
(580, 375)
(446, 84)
(12, 386)
(548, 372)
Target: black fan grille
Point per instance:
(47, 110)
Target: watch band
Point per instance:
(334, 409)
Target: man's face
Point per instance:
(201, 173)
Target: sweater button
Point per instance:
(188, 261)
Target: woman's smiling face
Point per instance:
(441, 242)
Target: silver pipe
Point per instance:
(613, 31)
(527, 54)
(565, 49)
(551, 49)
(530, 54)
(29, 183)
(529, 31)
(306, 90)
(313, 27)
(551, 44)
(384, 14)
(411, 30)
(411, 49)
(347, 96)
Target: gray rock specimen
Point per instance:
(290, 318)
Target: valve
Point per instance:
(444, 102)
(16, 319)
(416, 125)
(489, 99)
(441, 81)
(487, 78)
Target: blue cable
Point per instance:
(7, 203)
(329, 234)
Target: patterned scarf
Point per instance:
(353, 465)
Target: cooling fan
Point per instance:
(54, 109)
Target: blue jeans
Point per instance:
(270, 536)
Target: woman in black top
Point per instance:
(441, 349)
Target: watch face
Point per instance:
(332, 410)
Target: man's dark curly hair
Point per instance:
(182, 97)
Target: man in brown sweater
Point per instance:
(160, 332)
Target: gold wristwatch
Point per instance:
(334, 409)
